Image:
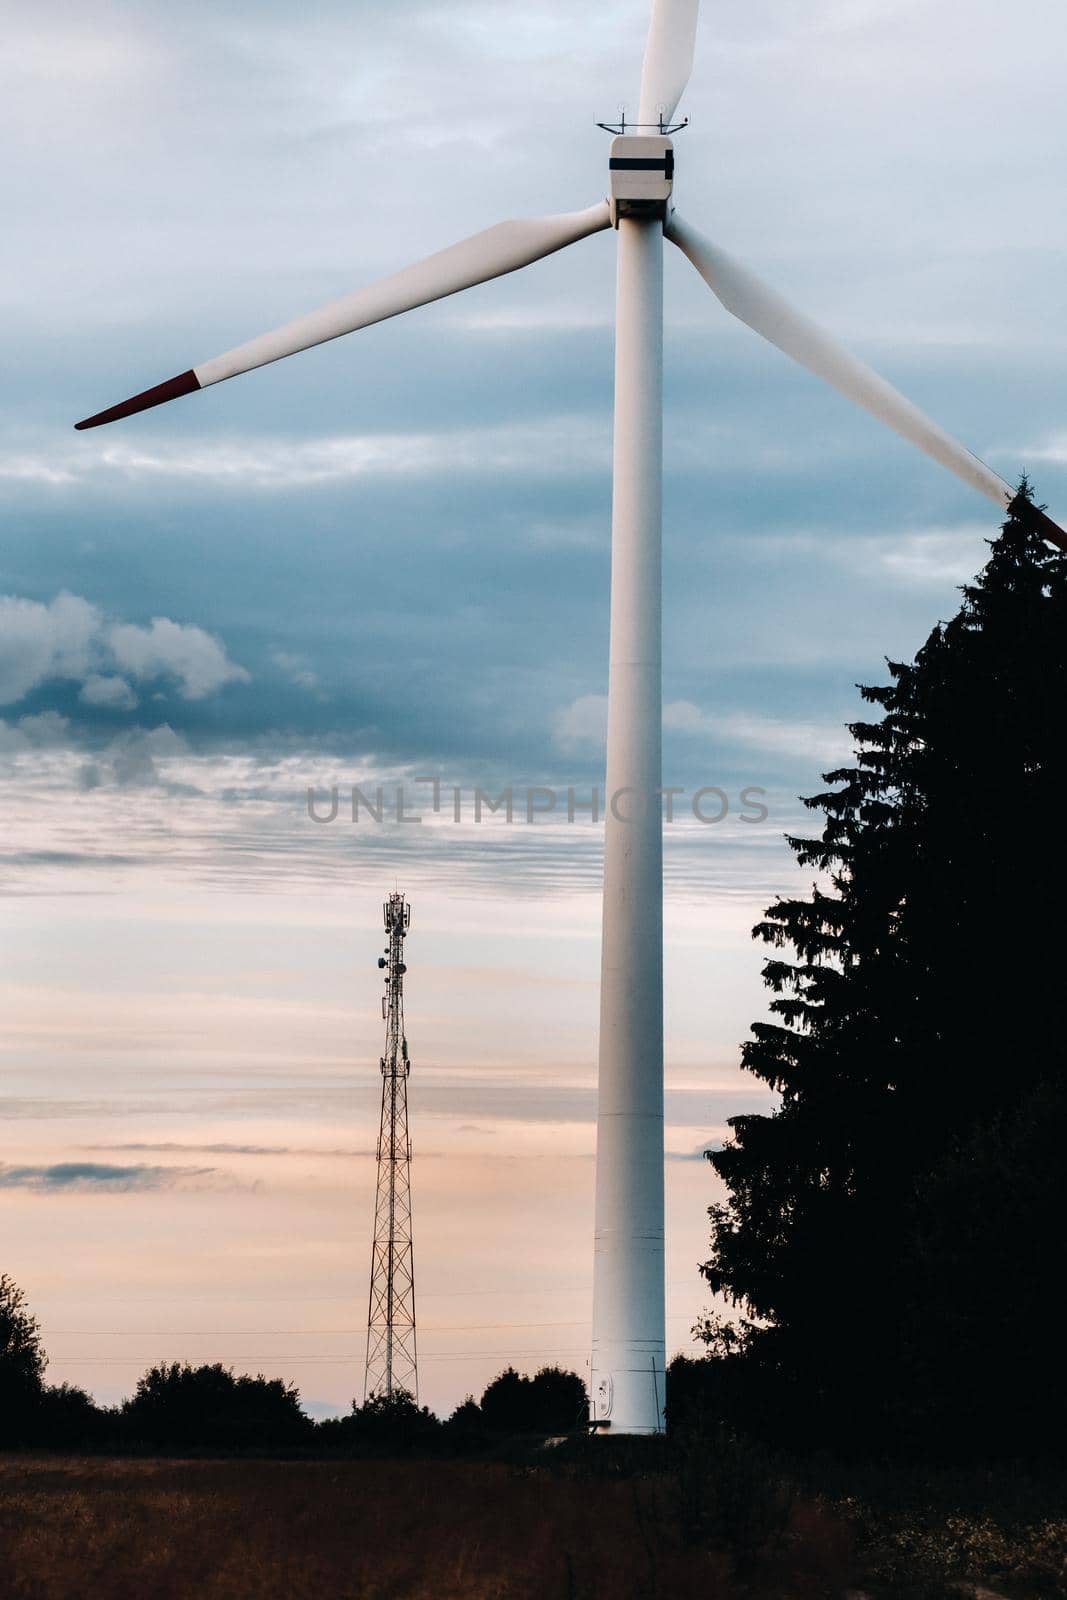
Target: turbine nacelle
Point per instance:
(641, 167)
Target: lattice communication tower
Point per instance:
(391, 1354)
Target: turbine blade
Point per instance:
(764, 310)
(672, 34)
(1044, 525)
(498, 250)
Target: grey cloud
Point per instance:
(88, 1177)
(303, 1151)
(513, 1100)
(449, 1094)
(67, 639)
(583, 724)
(133, 757)
(295, 668)
(113, 692)
(557, 446)
(173, 649)
(138, 758)
(17, 1108)
(233, 831)
(38, 642)
(65, 858)
(172, 1147)
(47, 728)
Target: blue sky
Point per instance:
(389, 557)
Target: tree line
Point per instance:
(210, 1407)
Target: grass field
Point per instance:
(438, 1530)
(712, 1525)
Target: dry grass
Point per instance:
(360, 1530)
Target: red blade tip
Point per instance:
(184, 383)
(1045, 526)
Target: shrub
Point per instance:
(731, 1492)
(208, 1406)
(552, 1401)
(385, 1425)
(67, 1417)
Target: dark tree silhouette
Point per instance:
(22, 1364)
(466, 1427)
(553, 1401)
(385, 1425)
(560, 1400)
(505, 1404)
(66, 1417)
(893, 1232)
(395, 1421)
(209, 1406)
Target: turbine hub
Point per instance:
(642, 176)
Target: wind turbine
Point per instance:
(628, 1302)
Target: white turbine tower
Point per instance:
(628, 1307)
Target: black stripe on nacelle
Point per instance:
(641, 164)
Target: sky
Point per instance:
(387, 560)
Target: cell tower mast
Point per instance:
(391, 1357)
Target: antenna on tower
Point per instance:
(391, 1355)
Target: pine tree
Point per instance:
(917, 1012)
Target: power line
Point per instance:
(326, 1361)
(507, 1291)
(227, 1333)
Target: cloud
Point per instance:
(938, 555)
(170, 1147)
(773, 735)
(583, 724)
(91, 1177)
(174, 649)
(133, 759)
(109, 692)
(1053, 449)
(14, 1108)
(295, 669)
(46, 729)
(242, 814)
(69, 639)
(556, 446)
(38, 642)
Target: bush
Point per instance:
(385, 1425)
(185, 1406)
(465, 1429)
(1043, 1561)
(731, 1492)
(66, 1417)
(553, 1401)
